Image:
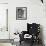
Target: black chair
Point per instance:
(32, 29)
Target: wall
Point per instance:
(35, 13)
(3, 1)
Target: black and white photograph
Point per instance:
(22, 22)
(21, 13)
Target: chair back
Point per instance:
(33, 28)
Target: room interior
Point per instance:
(12, 24)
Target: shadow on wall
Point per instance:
(41, 34)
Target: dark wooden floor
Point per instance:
(29, 44)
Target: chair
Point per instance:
(33, 30)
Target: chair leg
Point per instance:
(32, 42)
(20, 42)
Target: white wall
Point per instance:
(3, 1)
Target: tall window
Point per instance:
(3, 17)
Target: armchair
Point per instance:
(33, 30)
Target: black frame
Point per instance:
(24, 12)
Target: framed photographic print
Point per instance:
(21, 13)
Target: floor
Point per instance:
(5, 44)
(23, 44)
(27, 44)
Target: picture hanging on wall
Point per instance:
(21, 13)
